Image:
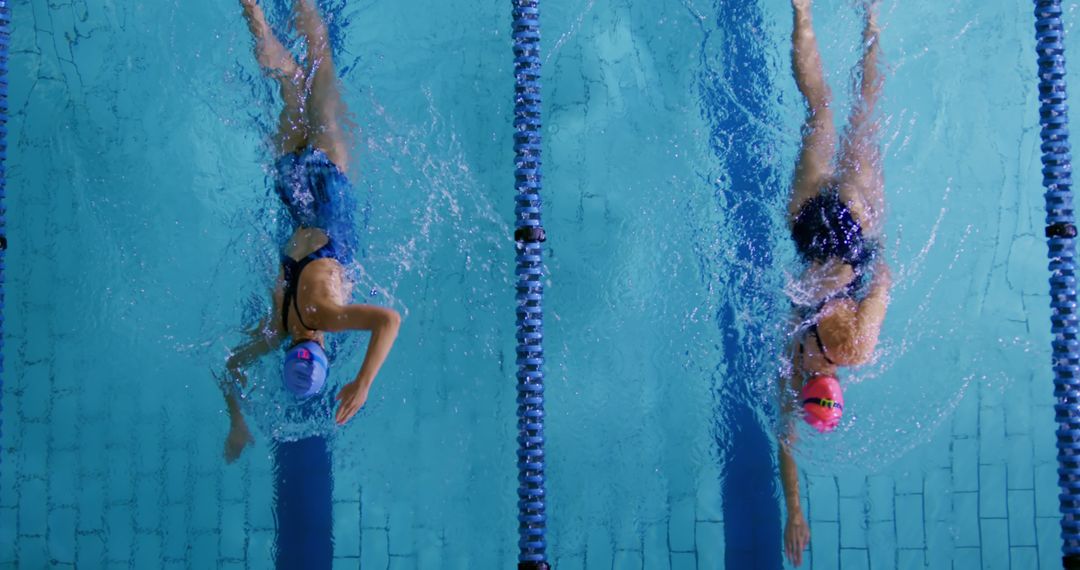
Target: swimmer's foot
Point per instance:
(871, 31)
(271, 54)
(239, 437)
(869, 8)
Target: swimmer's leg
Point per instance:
(861, 180)
(814, 168)
(325, 107)
(279, 64)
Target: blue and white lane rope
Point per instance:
(528, 236)
(5, 42)
(1060, 235)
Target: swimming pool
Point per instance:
(142, 235)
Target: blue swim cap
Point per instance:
(305, 370)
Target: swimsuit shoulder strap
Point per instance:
(821, 347)
(292, 270)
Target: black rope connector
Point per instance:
(533, 565)
(3, 242)
(1061, 230)
(1070, 562)
(530, 233)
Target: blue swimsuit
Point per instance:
(316, 194)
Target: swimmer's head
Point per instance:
(822, 403)
(306, 367)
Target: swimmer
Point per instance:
(312, 292)
(835, 215)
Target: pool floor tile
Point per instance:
(626, 559)
(854, 559)
(118, 524)
(400, 530)
(402, 562)
(992, 492)
(967, 559)
(1021, 518)
(1021, 464)
(33, 552)
(853, 525)
(909, 521)
(204, 550)
(347, 529)
(260, 550)
(374, 548)
(710, 546)
(598, 548)
(910, 480)
(61, 538)
(1049, 537)
(965, 465)
(571, 562)
(825, 544)
(147, 553)
(823, 499)
(681, 525)
(965, 422)
(89, 550)
(995, 544)
(909, 559)
(8, 535)
(937, 495)
(992, 445)
(233, 532)
(882, 537)
(1046, 490)
(881, 498)
(851, 486)
(683, 561)
(939, 545)
(654, 542)
(1023, 557)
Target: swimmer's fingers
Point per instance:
(352, 398)
(345, 412)
(796, 537)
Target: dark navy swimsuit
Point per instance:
(825, 229)
(292, 270)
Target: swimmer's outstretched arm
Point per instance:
(384, 325)
(242, 356)
(796, 531)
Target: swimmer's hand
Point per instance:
(352, 398)
(239, 437)
(232, 367)
(796, 537)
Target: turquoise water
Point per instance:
(142, 237)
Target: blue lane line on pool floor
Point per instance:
(731, 96)
(304, 508)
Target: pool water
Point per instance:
(143, 238)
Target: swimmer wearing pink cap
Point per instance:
(835, 216)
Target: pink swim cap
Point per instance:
(822, 402)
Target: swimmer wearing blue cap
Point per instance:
(311, 295)
(835, 215)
